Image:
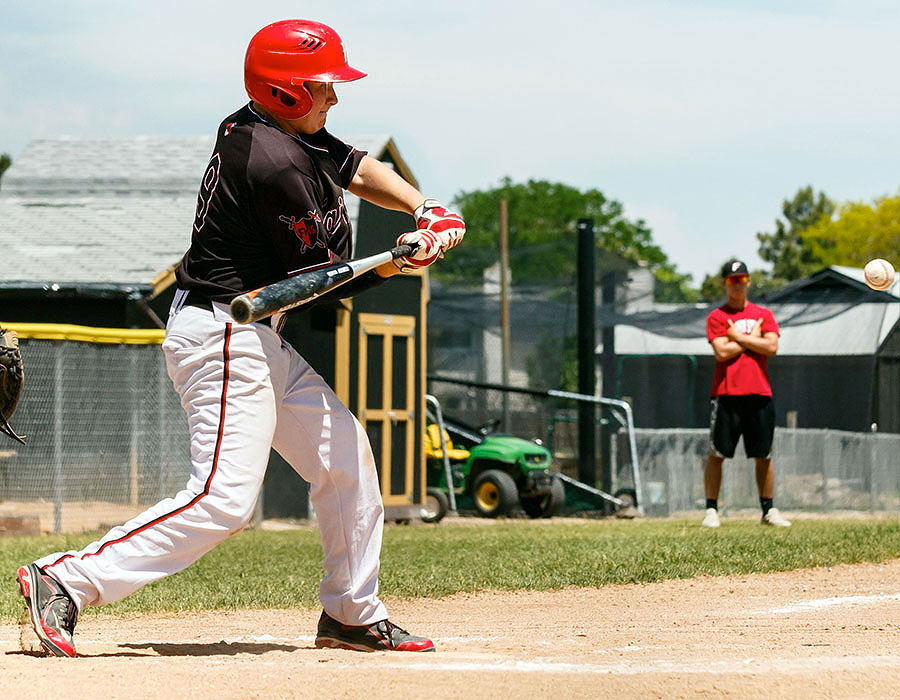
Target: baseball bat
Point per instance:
(300, 289)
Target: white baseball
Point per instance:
(879, 274)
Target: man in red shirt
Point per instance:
(743, 335)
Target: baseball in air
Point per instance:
(879, 274)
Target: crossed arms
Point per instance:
(734, 343)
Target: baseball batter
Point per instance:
(271, 204)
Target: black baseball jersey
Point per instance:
(271, 205)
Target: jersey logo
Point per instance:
(207, 189)
(745, 325)
(229, 127)
(307, 230)
(336, 217)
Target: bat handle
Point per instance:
(403, 251)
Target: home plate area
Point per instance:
(816, 633)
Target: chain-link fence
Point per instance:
(107, 436)
(815, 470)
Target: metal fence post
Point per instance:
(135, 423)
(58, 408)
(830, 465)
(164, 437)
(587, 349)
(448, 472)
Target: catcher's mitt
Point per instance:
(12, 377)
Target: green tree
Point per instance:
(711, 290)
(787, 249)
(5, 162)
(543, 238)
(859, 233)
(673, 287)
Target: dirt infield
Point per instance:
(818, 633)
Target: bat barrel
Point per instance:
(287, 293)
(293, 291)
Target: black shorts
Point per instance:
(750, 416)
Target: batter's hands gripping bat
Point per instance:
(300, 289)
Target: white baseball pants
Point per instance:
(244, 390)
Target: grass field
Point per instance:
(263, 569)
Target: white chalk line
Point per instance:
(819, 604)
(650, 666)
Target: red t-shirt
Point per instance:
(745, 373)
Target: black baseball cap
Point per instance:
(734, 267)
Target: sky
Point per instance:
(699, 116)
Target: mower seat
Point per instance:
(433, 445)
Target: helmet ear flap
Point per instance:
(301, 95)
(285, 103)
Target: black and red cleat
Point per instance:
(53, 613)
(379, 636)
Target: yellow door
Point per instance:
(387, 400)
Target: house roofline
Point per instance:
(402, 168)
(95, 290)
(825, 273)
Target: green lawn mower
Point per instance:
(492, 474)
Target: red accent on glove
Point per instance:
(433, 216)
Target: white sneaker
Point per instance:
(774, 518)
(711, 519)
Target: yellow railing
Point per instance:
(86, 334)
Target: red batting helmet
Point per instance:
(283, 55)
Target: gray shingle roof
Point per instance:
(145, 165)
(116, 240)
(116, 211)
